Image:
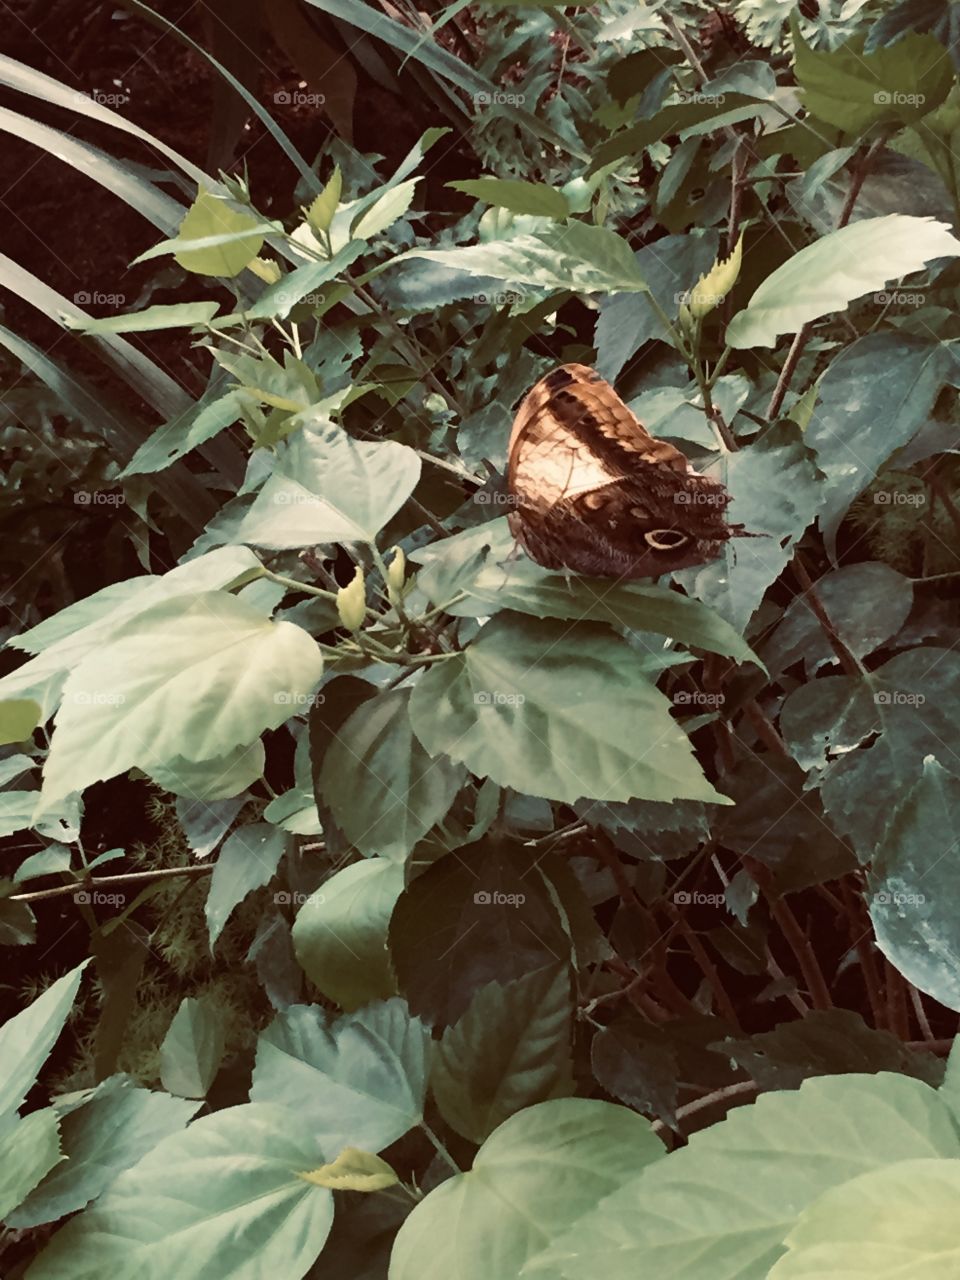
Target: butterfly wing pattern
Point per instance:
(593, 492)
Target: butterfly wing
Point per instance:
(594, 492)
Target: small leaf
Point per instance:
(248, 859)
(712, 288)
(320, 214)
(519, 197)
(353, 1170)
(177, 315)
(18, 719)
(211, 216)
(192, 1049)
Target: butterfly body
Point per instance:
(593, 492)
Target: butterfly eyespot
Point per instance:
(594, 501)
(666, 539)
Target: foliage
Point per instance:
(482, 893)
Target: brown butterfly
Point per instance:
(593, 492)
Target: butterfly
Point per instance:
(591, 491)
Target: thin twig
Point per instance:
(132, 877)
(848, 660)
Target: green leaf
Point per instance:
(217, 779)
(825, 1042)
(627, 321)
(539, 1172)
(29, 1149)
(873, 399)
(195, 676)
(899, 1221)
(722, 1205)
(209, 215)
(358, 1081)
(556, 711)
(867, 604)
(573, 256)
(534, 198)
(340, 934)
(477, 916)
(510, 1050)
(192, 1049)
(279, 299)
(52, 860)
(776, 492)
(914, 882)
(380, 215)
(353, 1170)
(27, 1038)
(177, 315)
(18, 719)
(328, 487)
(174, 439)
(383, 789)
(636, 1062)
(827, 275)
(530, 589)
(222, 1201)
(108, 1132)
(867, 738)
(249, 859)
(321, 211)
(853, 90)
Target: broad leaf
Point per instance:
(827, 275)
(381, 786)
(192, 1049)
(27, 1038)
(357, 1081)
(211, 216)
(572, 256)
(852, 89)
(872, 400)
(510, 1050)
(556, 711)
(776, 493)
(222, 1201)
(248, 859)
(110, 1131)
(520, 197)
(29, 1149)
(539, 1172)
(340, 934)
(193, 677)
(914, 882)
(328, 487)
(722, 1205)
(894, 1222)
(479, 915)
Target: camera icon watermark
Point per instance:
(486, 498)
(890, 898)
(694, 898)
(94, 898)
(99, 698)
(509, 297)
(700, 98)
(684, 297)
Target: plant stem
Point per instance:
(132, 877)
(440, 1148)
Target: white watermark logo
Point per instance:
(494, 698)
(494, 898)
